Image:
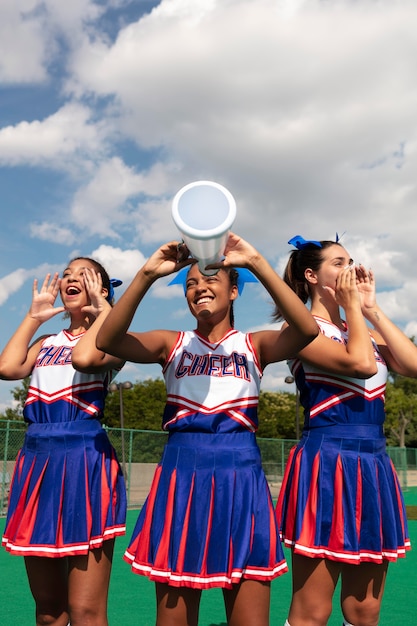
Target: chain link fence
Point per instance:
(140, 450)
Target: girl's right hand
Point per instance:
(169, 258)
(42, 308)
(346, 291)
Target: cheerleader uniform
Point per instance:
(209, 520)
(340, 498)
(67, 493)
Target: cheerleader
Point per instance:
(208, 520)
(67, 499)
(340, 507)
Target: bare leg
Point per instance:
(177, 606)
(88, 586)
(48, 581)
(247, 604)
(314, 582)
(362, 591)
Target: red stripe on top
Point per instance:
(173, 350)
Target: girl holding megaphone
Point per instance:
(209, 519)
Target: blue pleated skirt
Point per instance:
(67, 494)
(341, 500)
(209, 519)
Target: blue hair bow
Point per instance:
(300, 243)
(244, 276)
(114, 282)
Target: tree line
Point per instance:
(143, 406)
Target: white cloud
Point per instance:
(30, 34)
(23, 45)
(411, 330)
(274, 378)
(118, 199)
(11, 283)
(69, 17)
(399, 303)
(325, 98)
(47, 231)
(305, 110)
(119, 263)
(97, 205)
(309, 118)
(70, 133)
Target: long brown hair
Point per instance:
(310, 256)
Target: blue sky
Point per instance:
(304, 110)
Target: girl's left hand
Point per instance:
(237, 253)
(94, 287)
(366, 286)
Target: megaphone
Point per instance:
(204, 212)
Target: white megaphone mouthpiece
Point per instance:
(204, 212)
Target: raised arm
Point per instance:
(19, 355)
(273, 346)
(399, 352)
(114, 337)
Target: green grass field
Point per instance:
(131, 601)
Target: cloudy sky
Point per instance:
(305, 110)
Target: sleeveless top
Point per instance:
(332, 399)
(212, 388)
(58, 392)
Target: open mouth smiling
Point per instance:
(203, 300)
(72, 291)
